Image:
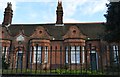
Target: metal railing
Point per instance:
(68, 60)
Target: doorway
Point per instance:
(94, 60)
(19, 59)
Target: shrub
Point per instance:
(5, 64)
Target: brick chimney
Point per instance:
(59, 13)
(8, 14)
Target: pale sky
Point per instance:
(44, 11)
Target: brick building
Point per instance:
(51, 45)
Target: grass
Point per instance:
(57, 71)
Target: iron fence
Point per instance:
(67, 60)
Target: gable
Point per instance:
(74, 32)
(20, 38)
(40, 32)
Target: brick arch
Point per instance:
(14, 56)
(17, 42)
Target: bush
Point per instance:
(5, 64)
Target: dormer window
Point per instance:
(20, 38)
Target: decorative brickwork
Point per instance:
(40, 32)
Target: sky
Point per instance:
(44, 11)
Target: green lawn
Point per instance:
(57, 71)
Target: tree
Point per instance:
(112, 22)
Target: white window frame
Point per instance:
(6, 53)
(66, 54)
(75, 55)
(39, 54)
(31, 51)
(116, 54)
(46, 54)
(83, 54)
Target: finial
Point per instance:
(9, 4)
(59, 2)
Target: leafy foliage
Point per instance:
(112, 22)
(54, 72)
(5, 64)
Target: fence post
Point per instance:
(118, 60)
(27, 53)
(36, 58)
(90, 57)
(81, 51)
(86, 67)
(101, 52)
(50, 58)
(117, 56)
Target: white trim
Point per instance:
(39, 54)
(83, 54)
(75, 55)
(97, 59)
(6, 51)
(66, 55)
(31, 54)
(93, 51)
(20, 52)
(46, 55)
(59, 24)
(115, 53)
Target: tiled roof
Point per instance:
(91, 30)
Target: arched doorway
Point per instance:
(19, 57)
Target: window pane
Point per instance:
(34, 48)
(5, 51)
(3, 48)
(66, 54)
(39, 48)
(39, 58)
(75, 55)
(37, 54)
(83, 55)
(30, 54)
(46, 55)
(115, 51)
(72, 54)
